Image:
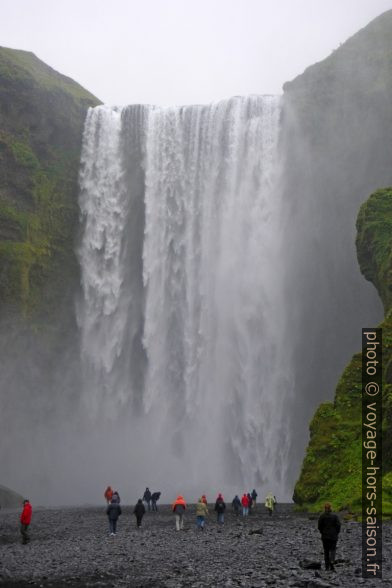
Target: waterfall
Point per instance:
(181, 315)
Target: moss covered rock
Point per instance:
(332, 466)
(41, 122)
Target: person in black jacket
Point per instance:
(155, 496)
(220, 508)
(113, 511)
(236, 504)
(329, 527)
(139, 511)
(147, 498)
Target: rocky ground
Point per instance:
(71, 547)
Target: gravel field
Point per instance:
(71, 547)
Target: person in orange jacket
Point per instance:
(25, 520)
(178, 507)
(108, 494)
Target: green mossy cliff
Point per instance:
(332, 466)
(41, 123)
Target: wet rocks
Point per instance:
(72, 548)
(308, 564)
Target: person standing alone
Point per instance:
(25, 520)
(329, 527)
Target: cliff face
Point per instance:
(41, 122)
(337, 129)
(332, 466)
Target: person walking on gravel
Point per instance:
(178, 508)
(116, 497)
(329, 527)
(201, 513)
(220, 508)
(245, 505)
(270, 503)
(147, 498)
(236, 504)
(25, 520)
(139, 512)
(108, 494)
(254, 496)
(113, 511)
(155, 496)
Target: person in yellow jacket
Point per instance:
(201, 513)
(270, 502)
(178, 507)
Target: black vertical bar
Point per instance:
(372, 453)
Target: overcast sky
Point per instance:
(182, 51)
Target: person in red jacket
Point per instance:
(245, 505)
(25, 520)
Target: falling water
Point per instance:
(181, 318)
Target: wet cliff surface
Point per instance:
(332, 468)
(337, 124)
(41, 121)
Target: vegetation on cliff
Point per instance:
(41, 122)
(332, 466)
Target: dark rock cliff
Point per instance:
(337, 129)
(332, 466)
(41, 125)
(41, 122)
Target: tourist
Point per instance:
(178, 508)
(329, 527)
(250, 503)
(155, 496)
(147, 498)
(108, 494)
(25, 520)
(139, 512)
(201, 513)
(245, 505)
(113, 511)
(236, 504)
(204, 499)
(116, 497)
(254, 496)
(270, 503)
(220, 508)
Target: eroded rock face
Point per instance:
(41, 122)
(337, 128)
(332, 466)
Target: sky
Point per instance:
(171, 52)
